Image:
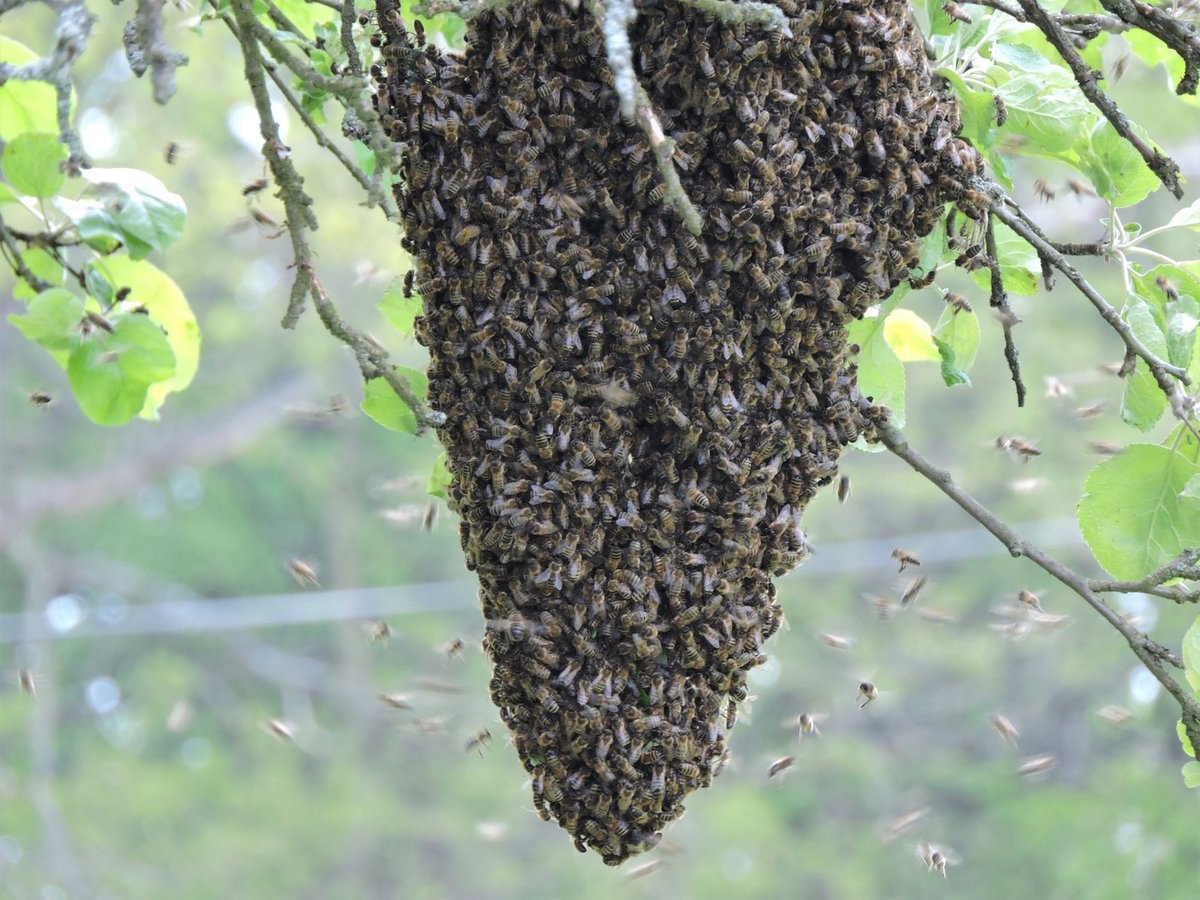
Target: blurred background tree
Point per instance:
(205, 726)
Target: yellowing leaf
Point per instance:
(910, 337)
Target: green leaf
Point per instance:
(96, 226)
(365, 157)
(951, 373)
(1116, 169)
(145, 214)
(978, 109)
(910, 337)
(1183, 739)
(960, 330)
(401, 311)
(1191, 775)
(880, 372)
(52, 319)
(32, 163)
(440, 478)
(167, 307)
(1132, 514)
(1019, 264)
(25, 106)
(386, 407)
(1191, 655)
(1047, 109)
(1143, 402)
(1182, 318)
(8, 195)
(42, 264)
(111, 373)
(1188, 217)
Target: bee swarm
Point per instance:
(636, 417)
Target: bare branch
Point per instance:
(1154, 656)
(1177, 35)
(1163, 166)
(71, 36)
(999, 302)
(1182, 566)
(147, 50)
(296, 203)
(16, 262)
(372, 358)
(1088, 24)
(765, 14)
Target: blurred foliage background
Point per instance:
(143, 581)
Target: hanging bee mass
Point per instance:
(636, 417)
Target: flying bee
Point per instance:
(280, 729)
(1167, 287)
(1018, 448)
(1030, 600)
(1007, 731)
(1115, 715)
(478, 741)
(171, 153)
(780, 766)
(395, 701)
(843, 489)
(955, 12)
(957, 302)
(26, 683)
(906, 558)
(836, 641)
(867, 692)
(40, 398)
(452, 648)
(1080, 188)
(380, 631)
(303, 572)
(257, 186)
(1120, 67)
(1037, 765)
(911, 592)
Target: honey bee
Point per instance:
(1037, 765)
(452, 648)
(955, 12)
(1080, 188)
(303, 572)
(1007, 731)
(867, 692)
(257, 186)
(478, 741)
(780, 766)
(40, 398)
(280, 729)
(26, 683)
(171, 153)
(911, 592)
(843, 489)
(906, 558)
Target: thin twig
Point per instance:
(1182, 566)
(374, 193)
(999, 302)
(1179, 36)
(296, 203)
(146, 49)
(1163, 372)
(1091, 23)
(1163, 166)
(1154, 656)
(372, 359)
(17, 262)
(1091, 248)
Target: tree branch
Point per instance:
(1170, 378)
(1163, 166)
(147, 50)
(1153, 655)
(1182, 566)
(999, 302)
(1177, 35)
